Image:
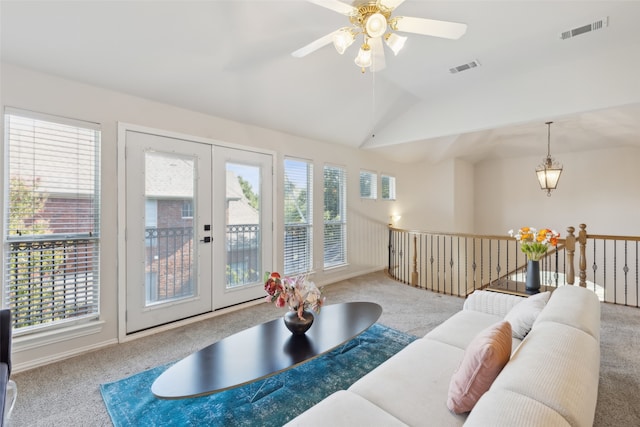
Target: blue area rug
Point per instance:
(270, 402)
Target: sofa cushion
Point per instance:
(557, 365)
(491, 302)
(504, 408)
(344, 409)
(483, 360)
(461, 328)
(574, 306)
(412, 384)
(523, 315)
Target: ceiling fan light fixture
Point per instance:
(364, 60)
(373, 19)
(343, 39)
(395, 42)
(376, 25)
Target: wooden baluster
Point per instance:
(570, 245)
(582, 239)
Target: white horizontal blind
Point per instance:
(53, 219)
(298, 218)
(368, 185)
(335, 216)
(388, 190)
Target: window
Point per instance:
(368, 185)
(298, 208)
(388, 187)
(52, 230)
(335, 216)
(187, 209)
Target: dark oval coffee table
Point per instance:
(262, 351)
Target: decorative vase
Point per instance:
(533, 277)
(295, 324)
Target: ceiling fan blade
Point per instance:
(429, 27)
(314, 45)
(336, 6)
(377, 50)
(390, 4)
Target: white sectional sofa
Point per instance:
(551, 378)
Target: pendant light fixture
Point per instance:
(549, 170)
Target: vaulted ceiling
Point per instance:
(232, 59)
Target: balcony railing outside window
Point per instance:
(51, 280)
(243, 260)
(170, 252)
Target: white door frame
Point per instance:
(123, 127)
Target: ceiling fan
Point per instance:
(372, 19)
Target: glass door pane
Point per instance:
(169, 227)
(243, 232)
(242, 223)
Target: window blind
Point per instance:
(52, 230)
(335, 216)
(298, 218)
(388, 189)
(368, 185)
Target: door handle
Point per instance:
(207, 239)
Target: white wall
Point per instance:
(437, 197)
(29, 90)
(464, 197)
(598, 188)
(490, 197)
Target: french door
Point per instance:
(198, 226)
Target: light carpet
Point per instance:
(269, 402)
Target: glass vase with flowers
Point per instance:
(534, 244)
(299, 294)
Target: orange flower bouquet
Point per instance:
(534, 243)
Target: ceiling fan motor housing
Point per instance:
(371, 19)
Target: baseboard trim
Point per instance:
(43, 361)
(188, 321)
(347, 276)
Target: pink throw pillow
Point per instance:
(483, 360)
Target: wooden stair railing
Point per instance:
(458, 263)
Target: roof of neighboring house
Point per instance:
(172, 178)
(240, 210)
(168, 177)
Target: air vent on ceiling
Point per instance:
(596, 25)
(464, 67)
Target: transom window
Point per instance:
(368, 185)
(388, 190)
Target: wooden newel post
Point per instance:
(570, 245)
(414, 273)
(582, 239)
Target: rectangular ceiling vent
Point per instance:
(464, 67)
(597, 25)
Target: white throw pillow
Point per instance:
(523, 314)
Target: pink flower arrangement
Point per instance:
(296, 292)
